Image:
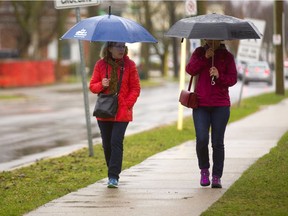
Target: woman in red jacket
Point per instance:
(216, 71)
(114, 56)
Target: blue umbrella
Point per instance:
(109, 28)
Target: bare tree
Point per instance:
(60, 30)
(156, 17)
(94, 51)
(143, 12)
(278, 10)
(175, 47)
(37, 22)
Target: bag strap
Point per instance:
(121, 76)
(190, 83)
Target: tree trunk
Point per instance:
(33, 49)
(94, 48)
(175, 47)
(61, 17)
(278, 11)
(145, 53)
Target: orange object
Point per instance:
(26, 73)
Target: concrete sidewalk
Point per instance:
(168, 183)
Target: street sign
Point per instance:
(276, 39)
(64, 4)
(191, 7)
(249, 50)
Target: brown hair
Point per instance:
(105, 53)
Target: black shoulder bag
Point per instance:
(107, 104)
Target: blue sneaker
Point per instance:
(112, 183)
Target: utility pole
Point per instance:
(278, 40)
(201, 7)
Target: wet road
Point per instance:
(51, 120)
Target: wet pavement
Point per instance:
(168, 182)
(50, 120)
(46, 118)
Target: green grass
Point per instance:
(261, 190)
(253, 104)
(27, 188)
(12, 97)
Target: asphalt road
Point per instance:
(50, 121)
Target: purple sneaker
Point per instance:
(204, 181)
(216, 182)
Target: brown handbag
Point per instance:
(187, 98)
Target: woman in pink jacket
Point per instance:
(114, 56)
(216, 70)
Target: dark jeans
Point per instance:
(112, 134)
(215, 118)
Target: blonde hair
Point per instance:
(105, 53)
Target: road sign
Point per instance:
(276, 39)
(191, 7)
(249, 50)
(64, 4)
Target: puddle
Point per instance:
(17, 153)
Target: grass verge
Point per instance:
(261, 190)
(12, 97)
(27, 188)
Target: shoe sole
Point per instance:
(112, 186)
(216, 186)
(204, 185)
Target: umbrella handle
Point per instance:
(213, 77)
(213, 54)
(212, 80)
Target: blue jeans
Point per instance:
(112, 134)
(215, 118)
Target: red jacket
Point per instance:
(218, 94)
(129, 90)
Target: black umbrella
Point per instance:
(214, 27)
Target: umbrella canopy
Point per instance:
(214, 27)
(109, 28)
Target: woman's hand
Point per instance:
(105, 82)
(214, 72)
(209, 53)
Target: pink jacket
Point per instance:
(218, 94)
(129, 90)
